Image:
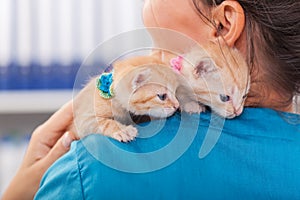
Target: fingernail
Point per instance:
(67, 140)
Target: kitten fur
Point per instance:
(141, 86)
(219, 78)
(209, 74)
(206, 76)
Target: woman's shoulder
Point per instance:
(62, 179)
(168, 153)
(265, 122)
(184, 139)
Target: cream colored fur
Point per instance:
(206, 76)
(136, 88)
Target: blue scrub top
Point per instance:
(254, 156)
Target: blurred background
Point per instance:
(42, 44)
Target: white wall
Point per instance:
(63, 30)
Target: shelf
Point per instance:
(41, 101)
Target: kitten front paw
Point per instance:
(126, 134)
(193, 107)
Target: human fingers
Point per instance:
(59, 149)
(32, 169)
(61, 119)
(49, 132)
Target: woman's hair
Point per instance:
(272, 29)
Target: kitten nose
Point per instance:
(238, 111)
(176, 105)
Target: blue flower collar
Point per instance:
(104, 84)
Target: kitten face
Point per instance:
(154, 100)
(149, 90)
(218, 82)
(224, 98)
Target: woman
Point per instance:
(257, 154)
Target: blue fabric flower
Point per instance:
(106, 81)
(104, 85)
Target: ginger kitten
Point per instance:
(219, 78)
(137, 86)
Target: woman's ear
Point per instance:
(229, 19)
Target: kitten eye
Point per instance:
(224, 98)
(162, 96)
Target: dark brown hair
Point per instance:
(272, 29)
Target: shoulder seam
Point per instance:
(79, 172)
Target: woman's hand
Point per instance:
(48, 142)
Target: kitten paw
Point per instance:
(127, 134)
(193, 107)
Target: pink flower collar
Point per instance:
(176, 63)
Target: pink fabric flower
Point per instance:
(176, 63)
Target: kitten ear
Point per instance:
(141, 78)
(204, 67)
